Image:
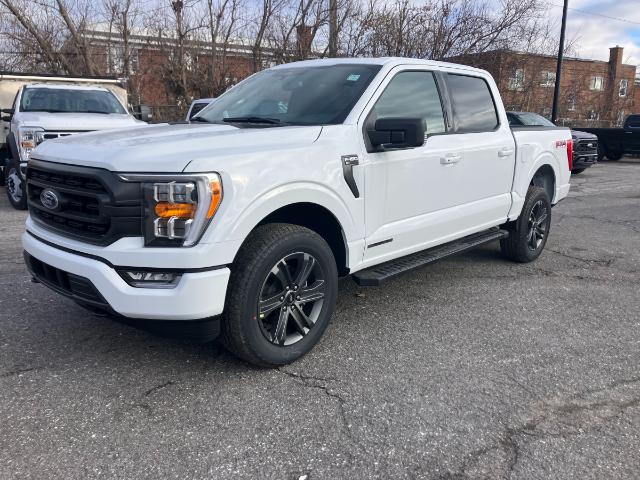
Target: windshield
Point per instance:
(293, 96)
(61, 100)
(529, 119)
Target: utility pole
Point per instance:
(556, 90)
(333, 28)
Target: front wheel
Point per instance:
(281, 295)
(528, 234)
(15, 185)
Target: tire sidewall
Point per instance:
(22, 203)
(523, 224)
(263, 348)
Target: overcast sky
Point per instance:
(594, 34)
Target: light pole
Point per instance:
(556, 90)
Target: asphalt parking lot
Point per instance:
(471, 368)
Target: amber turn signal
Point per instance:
(216, 198)
(180, 210)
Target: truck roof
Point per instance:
(392, 61)
(54, 86)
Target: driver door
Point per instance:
(408, 189)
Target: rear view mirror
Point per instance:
(397, 133)
(9, 114)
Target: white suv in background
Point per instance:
(47, 111)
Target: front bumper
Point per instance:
(198, 295)
(584, 161)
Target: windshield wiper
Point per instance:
(199, 119)
(266, 120)
(97, 111)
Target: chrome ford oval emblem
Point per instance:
(49, 199)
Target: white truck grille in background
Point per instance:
(48, 135)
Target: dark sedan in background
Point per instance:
(585, 145)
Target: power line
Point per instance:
(595, 14)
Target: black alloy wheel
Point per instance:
(291, 298)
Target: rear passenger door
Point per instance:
(484, 174)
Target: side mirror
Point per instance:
(142, 112)
(9, 114)
(397, 133)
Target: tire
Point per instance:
(258, 301)
(614, 155)
(15, 186)
(523, 234)
(577, 171)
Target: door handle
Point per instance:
(450, 158)
(506, 152)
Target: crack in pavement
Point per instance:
(18, 371)
(561, 417)
(606, 263)
(158, 387)
(321, 384)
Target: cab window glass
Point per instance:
(411, 94)
(472, 103)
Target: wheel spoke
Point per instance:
(312, 293)
(281, 272)
(270, 304)
(300, 316)
(543, 216)
(305, 269)
(279, 333)
(299, 322)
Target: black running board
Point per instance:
(378, 274)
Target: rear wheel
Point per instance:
(14, 183)
(281, 295)
(614, 155)
(528, 234)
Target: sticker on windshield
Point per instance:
(353, 77)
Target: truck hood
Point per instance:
(76, 121)
(579, 135)
(170, 148)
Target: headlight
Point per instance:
(178, 208)
(28, 139)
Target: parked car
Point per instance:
(299, 174)
(614, 143)
(197, 106)
(45, 111)
(585, 145)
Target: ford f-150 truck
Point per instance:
(58, 108)
(614, 143)
(299, 174)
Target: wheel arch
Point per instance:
(545, 177)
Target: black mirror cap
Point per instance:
(398, 133)
(9, 111)
(6, 118)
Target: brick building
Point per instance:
(593, 92)
(154, 70)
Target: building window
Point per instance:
(596, 83)
(516, 81)
(548, 79)
(624, 84)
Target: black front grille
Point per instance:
(586, 146)
(91, 204)
(79, 288)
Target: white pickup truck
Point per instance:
(246, 217)
(44, 111)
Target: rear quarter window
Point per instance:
(473, 105)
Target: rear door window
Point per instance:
(473, 105)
